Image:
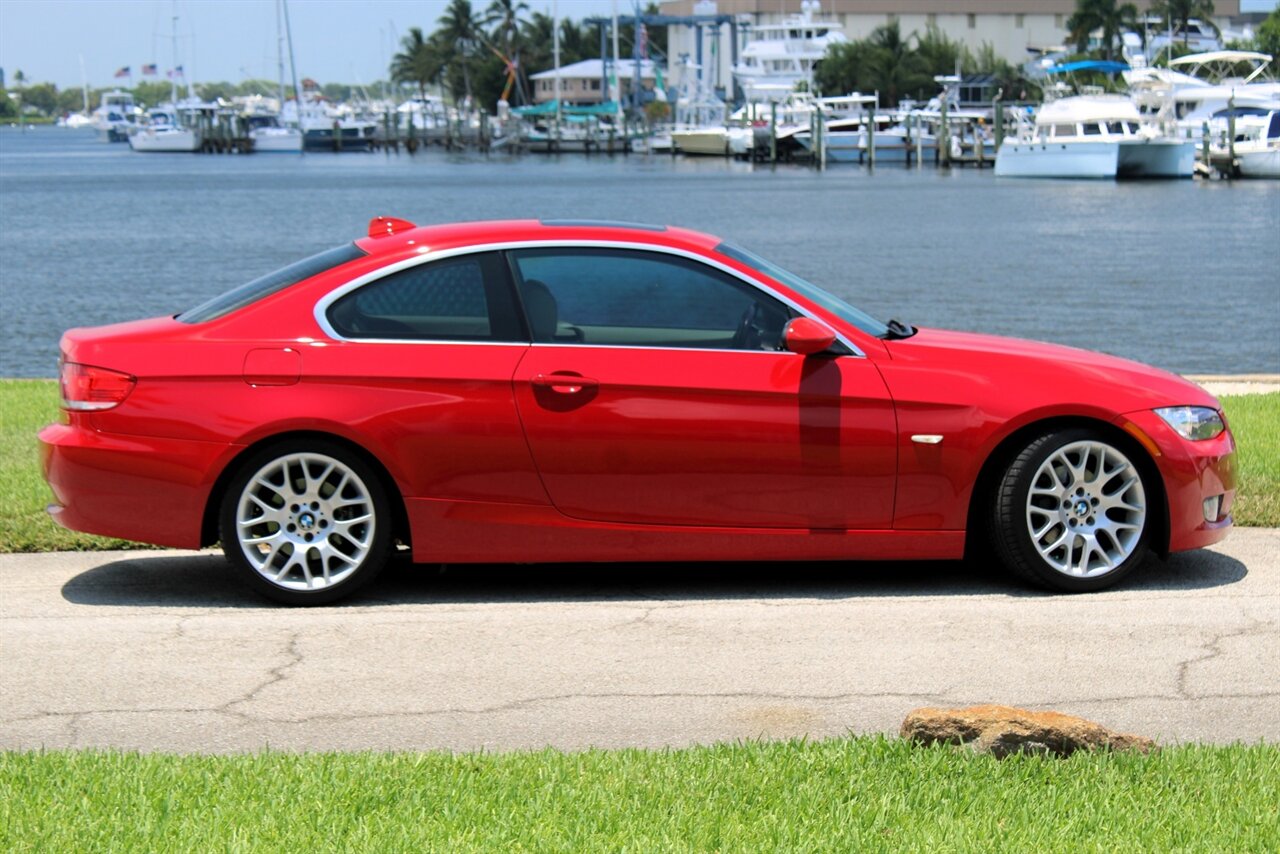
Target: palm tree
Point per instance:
(459, 27)
(420, 61)
(1107, 15)
(1180, 12)
(505, 16)
(894, 67)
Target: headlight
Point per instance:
(1193, 422)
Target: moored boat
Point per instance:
(1093, 136)
(164, 132)
(117, 116)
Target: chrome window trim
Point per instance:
(426, 256)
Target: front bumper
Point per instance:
(131, 487)
(1192, 472)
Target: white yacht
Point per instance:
(267, 132)
(117, 116)
(164, 132)
(1093, 136)
(1257, 150)
(780, 56)
(270, 135)
(844, 126)
(325, 128)
(1204, 87)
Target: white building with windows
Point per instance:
(1014, 28)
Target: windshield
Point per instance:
(251, 292)
(810, 291)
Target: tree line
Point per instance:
(481, 57)
(486, 55)
(899, 66)
(48, 100)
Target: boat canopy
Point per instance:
(1088, 65)
(1220, 56)
(1219, 63)
(548, 108)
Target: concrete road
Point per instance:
(165, 651)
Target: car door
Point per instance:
(655, 392)
(421, 364)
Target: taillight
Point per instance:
(85, 387)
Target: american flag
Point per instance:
(149, 70)
(123, 72)
(175, 72)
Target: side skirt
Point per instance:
(482, 532)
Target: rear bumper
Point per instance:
(1192, 472)
(130, 487)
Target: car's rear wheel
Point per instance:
(1071, 512)
(306, 523)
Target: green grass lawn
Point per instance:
(27, 405)
(851, 794)
(1255, 421)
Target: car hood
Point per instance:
(1068, 373)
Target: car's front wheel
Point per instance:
(1071, 512)
(306, 523)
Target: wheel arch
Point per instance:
(400, 517)
(1006, 449)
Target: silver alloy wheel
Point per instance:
(1086, 509)
(305, 521)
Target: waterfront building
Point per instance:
(1016, 29)
(586, 82)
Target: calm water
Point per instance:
(1184, 275)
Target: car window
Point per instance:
(807, 289)
(251, 292)
(457, 299)
(647, 299)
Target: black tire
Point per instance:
(1095, 532)
(324, 547)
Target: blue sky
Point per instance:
(346, 41)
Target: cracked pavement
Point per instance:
(166, 651)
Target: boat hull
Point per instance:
(1259, 164)
(713, 142)
(179, 141)
(113, 133)
(276, 141)
(325, 139)
(1156, 159)
(1058, 160)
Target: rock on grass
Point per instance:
(1002, 730)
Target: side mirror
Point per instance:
(807, 336)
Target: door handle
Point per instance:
(564, 383)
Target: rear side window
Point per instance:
(249, 293)
(457, 299)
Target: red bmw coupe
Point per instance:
(533, 391)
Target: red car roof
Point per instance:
(391, 235)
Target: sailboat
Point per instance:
(164, 130)
(84, 118)
(268, 132)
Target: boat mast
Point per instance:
(617, 81)
(84, 85)
(555, 51)
(279, 60)
(173, 79)
(293, 69)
